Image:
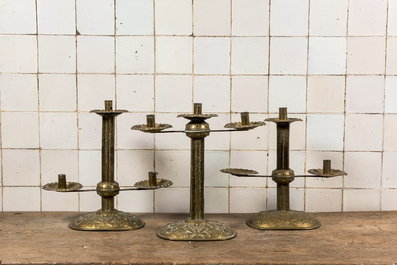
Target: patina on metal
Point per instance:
(196, 227)
(284, 218)
(107, 218)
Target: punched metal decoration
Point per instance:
(284, 217)
(107, 218)
(196, 227)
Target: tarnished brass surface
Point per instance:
(107, 221)
(70, 186)
(334, 173)
(197, 117)
(157, 128)
(238, 171)
(241, 127)
(161, 183)
(196, 230)
(283, 220)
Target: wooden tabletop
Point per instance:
(343, 238)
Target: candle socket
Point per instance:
(152, 178)
(282, 114)
(326, 166)
(245, 118)
(198, 108)
(61, 181)
(150, 121)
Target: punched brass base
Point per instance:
(107, 221)
(283, 220)
(196, 230)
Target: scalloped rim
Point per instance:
(158, 127)
(334, 172)
(237, 125)
(166, 184)
(49, 188)
(247, 171)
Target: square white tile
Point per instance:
(174, 93)
(20, 130)
(365, 55)
(250, 17)
(21, 199)
(253, 139)
(249, 93)
(325, 132)
(134, 17)
(13, 86)
(18, 17)
(214, 162)
(93, 90)
(90, 168)
(135, 92)
(90, 131)
(391, 65)
(314, 160)
(174, 165)
(297, 132)
(361, 200)
(367, 17)
(54, 162)
(139, 202)
(135, 54)
(328, 17)
(327, 55)
(287, 91)
(134, 166)
(57, 54)
(323, 200)
(57, 92)
(391, 94)
(95, 17)
(60, 201)
(131, 139)
(21, 167)
(247, 200)
(174, 55)
(216, 200)
(213, 92)
(56, 17)
(254, 160)
(388, 200)
(363, 132)
(389, 133)
(250, 55)
(364, 94)
(175, 141)
(289, 18)
(211, 18)
(288, 55)
(173, 200)
(89, 201)
(211, 55)
(326, 94)
(18, 54)
(58, 130)
(95, 54)
(389, 174)
(392, 23)
(367, 175)
(174, 17)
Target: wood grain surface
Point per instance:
(343, 238)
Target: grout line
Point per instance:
(268, 108)
(77, 110)
(154, 94)
(116, 157)
(230, 103)
(344, 105)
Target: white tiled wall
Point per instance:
(333, 63)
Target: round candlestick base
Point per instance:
(283, 220)
(107, 221)
(196, 230)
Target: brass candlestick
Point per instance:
(284, 217)
(196, 227)
(107, 218)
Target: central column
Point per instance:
(197, 179)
